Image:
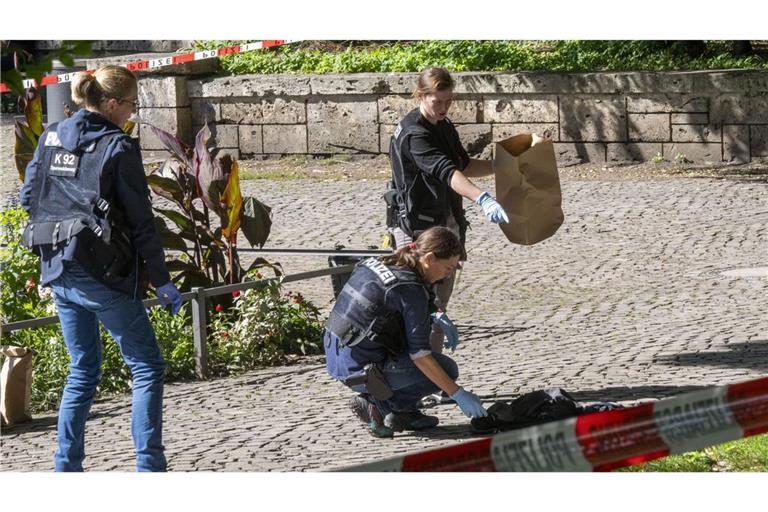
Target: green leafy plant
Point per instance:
(460, 55)
(174, 335)
(28, 130)
(25, 67)
(19, 271)
(262, 327)
(198, 184)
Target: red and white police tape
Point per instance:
(146, 65)
(604, 441)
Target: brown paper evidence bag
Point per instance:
(528, 187)
(15, 384)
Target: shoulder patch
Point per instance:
(397, 131)
(382, 272)
(52, 139)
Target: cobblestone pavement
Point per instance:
(642, 294)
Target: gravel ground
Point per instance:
(654, 286)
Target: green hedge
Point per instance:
(262, 327)
(384, 56)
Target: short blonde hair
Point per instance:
(433, 80)
(107, 82)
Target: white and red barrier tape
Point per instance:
(604, 441)
(172, 60)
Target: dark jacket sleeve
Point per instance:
(429, 158)
(132, 196)
(412, 302)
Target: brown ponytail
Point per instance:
(438, 240)
(433, 80)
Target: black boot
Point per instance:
(370, 415)
(413, 420)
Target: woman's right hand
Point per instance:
(469, 403)
(169, 296)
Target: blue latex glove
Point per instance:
(448, 328)
(469, 403)
(492, 209)
(169, 294)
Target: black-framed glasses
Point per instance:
(134, 103)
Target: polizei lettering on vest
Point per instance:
(52, 139)
(382, 272)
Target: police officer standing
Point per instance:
(92, 225)
(377, 336)
(430, 175)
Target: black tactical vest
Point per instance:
(67, 203)
(415, 201)
(360, 315)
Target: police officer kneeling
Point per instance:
(377, 336)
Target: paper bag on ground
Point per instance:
(528, 187)
(15, 385)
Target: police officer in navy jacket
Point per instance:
(92, 225)
(377, 336)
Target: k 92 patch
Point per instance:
(64, 164)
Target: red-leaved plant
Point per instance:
(198, 183)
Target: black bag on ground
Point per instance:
(529, 409)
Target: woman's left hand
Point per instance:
(448, 328)
(494, 212)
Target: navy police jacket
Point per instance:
(122, 183)
(374, 286)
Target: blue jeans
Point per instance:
(408, 383)
(82, 303)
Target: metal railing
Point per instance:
(197, 297)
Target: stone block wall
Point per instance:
(704, 117)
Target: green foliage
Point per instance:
(261, 328)
(21, 300)
(459, 55)
(28, 131)
(27, 67)
(9, 103)
(174, 335)
(50, 363)
(750, 454)
(116, 376)
(19, 270)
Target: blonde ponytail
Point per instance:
(106, 82)
(86, 90)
